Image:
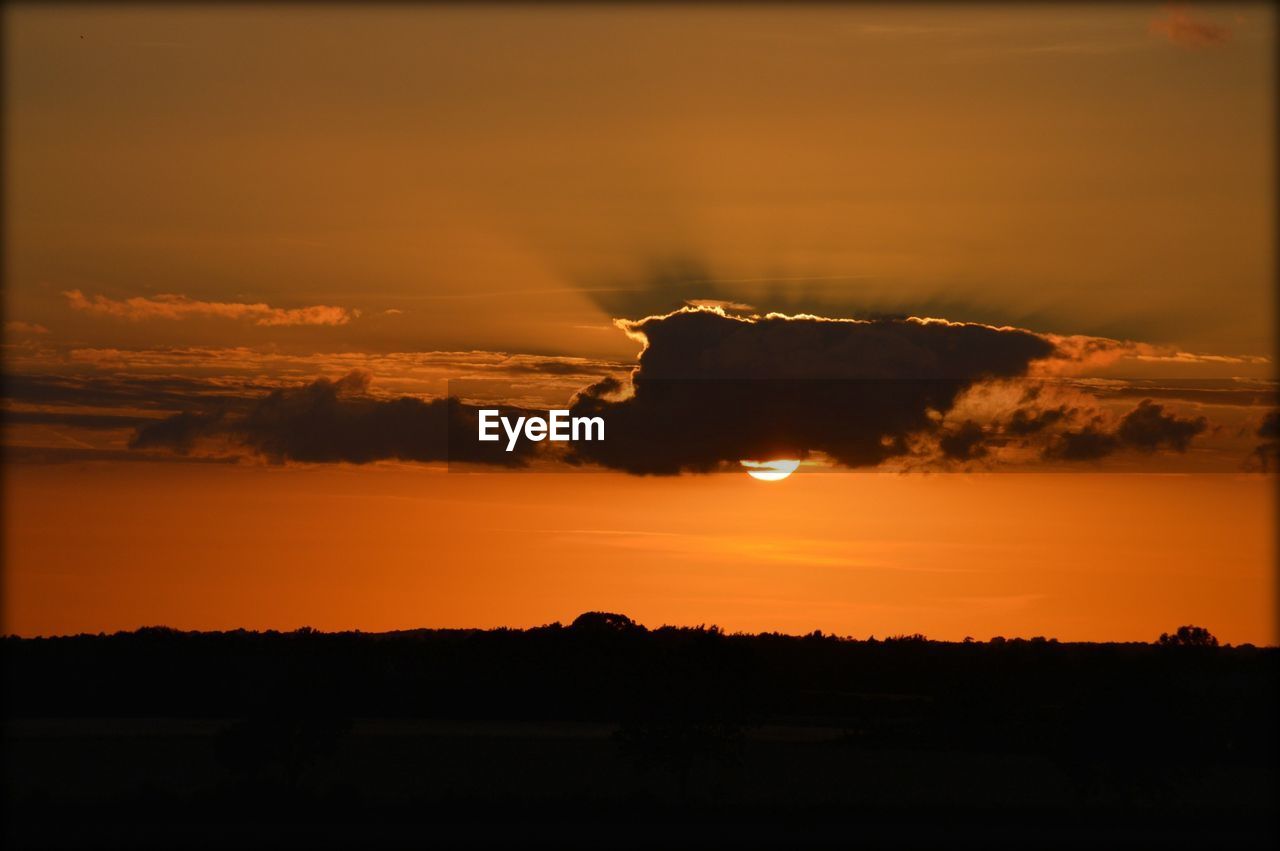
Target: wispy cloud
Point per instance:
(527, 379)
(174, 307)
(17, 326)
(1178, 26)
(720, 303)
(706, 547)
(1080, 353)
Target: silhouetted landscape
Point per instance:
(604, 731)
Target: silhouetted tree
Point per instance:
(605, 622)
(1188, 636)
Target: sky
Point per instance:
(250, 249)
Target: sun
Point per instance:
(770, 471)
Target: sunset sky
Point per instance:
(207, 204)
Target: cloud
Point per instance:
(1146, 428)
(17, 326)
(43, 455)
(129, 393)
(519, 379)
(1266, 454)
(174, 307)
(964, 443)
(77, 389)
(717, 302)
(1026, 421)
(1086, 444)
(1178, 26)
(1216, 392)
(74, 418)
(1078, 353)
(332, 421)
(473, 363)
(711, 389)
(686, 281)
(714, 389)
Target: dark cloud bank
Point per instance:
(713, 389)
(710, 390)
(1266, 455)
(1146, 428)
(328, 421)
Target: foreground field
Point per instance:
(603, 728)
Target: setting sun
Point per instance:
(770, 471)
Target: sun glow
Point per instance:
(770, 471)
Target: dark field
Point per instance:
(604, 733)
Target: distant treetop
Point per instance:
(1188, 636)
(605, 622)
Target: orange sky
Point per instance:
(210, 201)
(484, 170)
(1076, 556)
